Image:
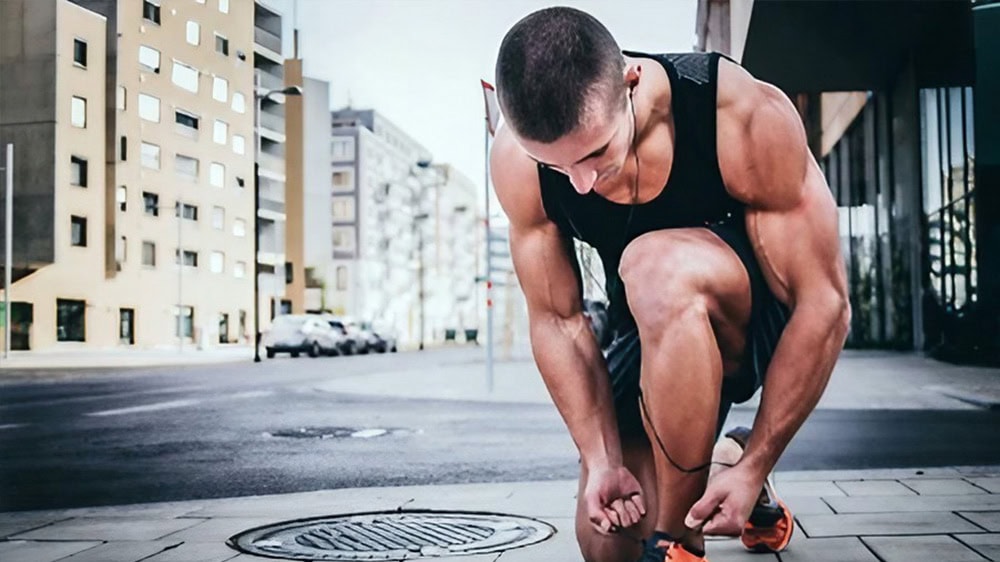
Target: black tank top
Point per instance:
(694, 195)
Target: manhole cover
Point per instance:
(404, 535)
(337, 432)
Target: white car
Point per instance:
(301, 333)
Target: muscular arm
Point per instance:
(792, 222)
(562, 343)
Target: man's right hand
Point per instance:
(613, 498)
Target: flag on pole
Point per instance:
(493, 116)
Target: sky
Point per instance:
(419, 62)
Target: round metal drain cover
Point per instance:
(403, 535)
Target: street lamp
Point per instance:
(258, 99)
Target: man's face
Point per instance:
(594, 153)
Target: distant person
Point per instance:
(718, 235)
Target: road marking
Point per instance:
(12, 425)
(147, 408)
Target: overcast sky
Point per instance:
(418, 62)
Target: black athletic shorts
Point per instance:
(768, 318)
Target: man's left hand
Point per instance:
(726, 505)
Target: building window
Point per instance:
(221, 44)
(289, 273)
(120, 98)
(218, 218)
(80, 52)
(187, 120)
(343, 238)
(342, 148)
(78, 112)
(149, 108)
(343, 209)
(341, 278)
(220, 132)
(121, 197)
(343, 180)
(223, 328)
(186, 211)
(217, 262)
(148, 253)
(185, 76)
(78, 231)
(151, 204)
(224, 6)
(190, 258)
(123, 148)
(239, 144)
(239, 228)
(121, 251)
(220, 89)
(149, 58)
(184, 322)
(70, 320)
(217, 174)
(240, 269)
(239, 103)
(186, 167)
(150, 155)
(193, 33)
(78, 171)
(151, 11)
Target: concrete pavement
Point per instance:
(935, 514)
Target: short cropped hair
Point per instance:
(554, 66)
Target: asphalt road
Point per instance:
(79, 438)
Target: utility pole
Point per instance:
(8, 246)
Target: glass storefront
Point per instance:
(873, 227)
(948, 164)
(858, 171)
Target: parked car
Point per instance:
(301, 333)
(381, 341)
(350, 343)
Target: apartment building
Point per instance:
(141, 233)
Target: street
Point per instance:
(78, 438)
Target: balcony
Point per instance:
(267, 44)
(269, 81)
(275, 165)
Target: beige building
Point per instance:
(157, 242)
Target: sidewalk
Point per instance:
(69, 358)
(939, 515)
(936, 514)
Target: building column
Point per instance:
(986, 101)
(907, 189)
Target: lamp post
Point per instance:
(259, 97)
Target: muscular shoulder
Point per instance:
(515, 179)
(763, 154)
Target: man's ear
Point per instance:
(631, 75)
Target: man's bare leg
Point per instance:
(689, 295)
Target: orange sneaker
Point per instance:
(662, 548)
(771, 523)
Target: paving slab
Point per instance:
(847, 549)
(196, 552)
(922, 549)
(874, 488)
(989, 520)
(32, 551)
(222, 528)
(807, 505)
(942, 487)
(731, 550)
(123, 551)
(879, 524)
(815, 488)
(988, 483)
(891, 504)
(109, 529)
(14, 523)
(986, 545)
